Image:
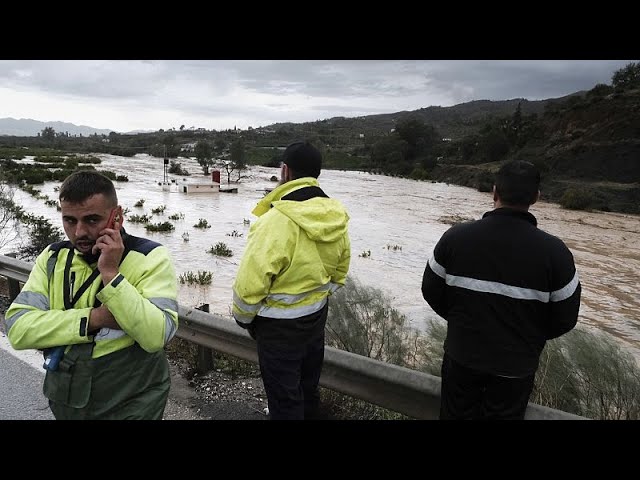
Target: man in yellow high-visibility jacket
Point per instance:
(297, 254)
(109, 300)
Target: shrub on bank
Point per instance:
(577, 199)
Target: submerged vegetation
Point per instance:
(201, 277)
(220, 249)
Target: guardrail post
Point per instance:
(14, 285)
(205, 354)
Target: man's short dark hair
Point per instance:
(81, 185)
(303, 159)
(517, 183)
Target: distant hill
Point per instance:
(455, 122)
(26, 127)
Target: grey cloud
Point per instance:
(269, 91)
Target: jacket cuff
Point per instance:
(81, 327)
(110, 288)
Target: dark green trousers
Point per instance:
(129, 384)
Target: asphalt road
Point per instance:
(23, 399)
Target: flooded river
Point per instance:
(385, 213)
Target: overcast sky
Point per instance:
(125, 95)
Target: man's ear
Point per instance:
(537, 198)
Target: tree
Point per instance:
(389, 153)
(41, 233)
(422, 141)
(238, 161)
(493, 145)
(516, 120)
(8, 220)
(600, 90)
(203, 153)
(219, 145)
(627, 77)
(49, 134)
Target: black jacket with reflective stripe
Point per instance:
(504, 287)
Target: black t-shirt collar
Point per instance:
(511, 212)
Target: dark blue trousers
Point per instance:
(291, 363)
(468, 394)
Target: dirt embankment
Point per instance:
(606, 196)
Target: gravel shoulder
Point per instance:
(220, 394)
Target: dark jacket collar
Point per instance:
(510, 212)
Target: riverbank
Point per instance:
(596, 195)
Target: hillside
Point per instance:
(587, 146)
(453, 122)
(26, 127)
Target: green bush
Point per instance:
(139, 218)
(199, 278)
(220, 249)
(362, 321)
(202, 223)
(589, 374)
(575, 198)
(419, 173)
(41, 233)
(159, 227)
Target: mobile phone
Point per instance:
(114, 217)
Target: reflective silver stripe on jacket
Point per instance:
(245, 306)
(164, 304)
(170, 326)
(566, 291)
(33, 299)
(498, 288)
(242, 318)
(11, 320)
(290, 299)
(108, 334)
(273, 312)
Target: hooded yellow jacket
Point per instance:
(142, 298)
(297, 254)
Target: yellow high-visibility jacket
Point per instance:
(297, 254)
(142, 298)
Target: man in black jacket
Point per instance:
(504, 287)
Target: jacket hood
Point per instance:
(323, 219)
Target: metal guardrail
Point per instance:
(412, 393)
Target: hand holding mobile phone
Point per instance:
(114, 217)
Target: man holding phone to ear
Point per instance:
(109, 299)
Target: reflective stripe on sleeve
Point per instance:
(566, 291)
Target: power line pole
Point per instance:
(166, 167)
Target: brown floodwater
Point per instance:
(385, 213)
